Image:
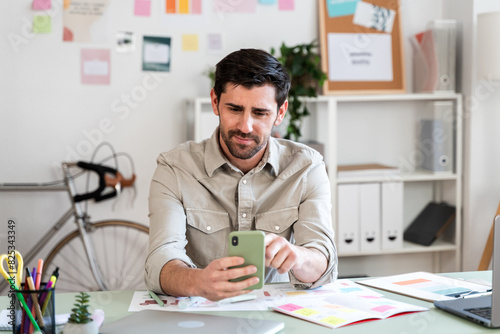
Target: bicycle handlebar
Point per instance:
(105, 180)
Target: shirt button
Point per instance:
(244, 215)
(209, 228)
(276, 228)
(244, 181)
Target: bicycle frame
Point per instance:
(76, 211)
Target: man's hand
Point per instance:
(308, 264)
(211, 282)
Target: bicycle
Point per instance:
(95, 256)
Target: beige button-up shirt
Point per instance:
(197, 197)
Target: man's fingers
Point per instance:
(269, 238)
(226, 262)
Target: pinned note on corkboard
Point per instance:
(361, 46)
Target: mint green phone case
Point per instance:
(250, 246)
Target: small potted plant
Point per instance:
(303, 64)
(80, 321)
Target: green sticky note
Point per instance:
(42, 24)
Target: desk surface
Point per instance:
(115, 305)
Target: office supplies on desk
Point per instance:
(34, 298)
(484, 310)
(426, 286)
(39, 270)
(26, 309)
(53, 279)
(44, 320)
(238, 299)
(12, 271)
(341, 310)
(156, 298)
(188, 302)
(184, 322)
(5, 319)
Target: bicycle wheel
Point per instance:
(120, 248)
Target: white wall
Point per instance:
(482, 111)
(46, 112)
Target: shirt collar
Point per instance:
(214, 158)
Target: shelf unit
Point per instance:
(326, 110)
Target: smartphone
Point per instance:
(250, 246)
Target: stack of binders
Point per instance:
(370, 214)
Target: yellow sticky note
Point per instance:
(190, 42)
(183, 6)
(306, 312)
(333, 320)
(42, 24)
(296, 293)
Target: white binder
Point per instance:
(370, 207)
(392, 215)
(348, 218)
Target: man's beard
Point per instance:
(239, 151)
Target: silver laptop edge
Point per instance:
(459, 306)
(495, 295)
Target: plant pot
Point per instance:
(88, 328)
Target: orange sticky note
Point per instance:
(170, 6)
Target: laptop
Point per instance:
(484, 310)
(149, 321)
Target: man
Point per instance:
(240, 179)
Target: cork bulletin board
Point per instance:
(361, 46)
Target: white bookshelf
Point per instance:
(325, 125)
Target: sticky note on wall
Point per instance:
(142, 8)
(190, 42)
(41, 4)
(286, 4)
(42, 24)
(95, 66)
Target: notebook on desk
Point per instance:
(185, 322)
(484, 310)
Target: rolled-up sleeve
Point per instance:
(167, 230)
(314, 227)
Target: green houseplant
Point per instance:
(79, 321)
(303, 64)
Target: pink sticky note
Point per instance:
(142, 8)
(290, 307)
(231, 6)
(95, 66)
(196, 7)
(286, 5)
(42, 4)
(382, 308)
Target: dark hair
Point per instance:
(252, 68)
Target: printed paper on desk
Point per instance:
(270, 296)
(141, 300)
(371, 16)
(360, 57)
(426, 286)
(341, 310)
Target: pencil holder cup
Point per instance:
(46, 308)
